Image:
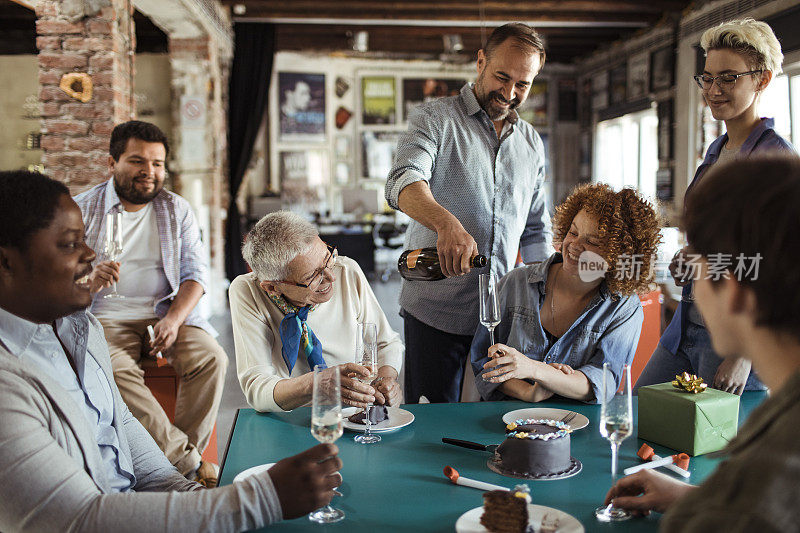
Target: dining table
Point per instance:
(398, 485)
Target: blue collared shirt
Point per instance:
(762, 139)
(607, 331)
(38, 344)
(179, 234)
(493, 186)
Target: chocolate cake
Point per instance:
(536, 448)
(378, 413)
(506, 511)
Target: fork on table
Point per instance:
(569, 416)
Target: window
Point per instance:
(774, 103)
(626, 152)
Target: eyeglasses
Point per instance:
(724, 81)
(316, 279)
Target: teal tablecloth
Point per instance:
(398, 484)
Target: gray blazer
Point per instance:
(52, 477)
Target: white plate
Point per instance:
(252, 471)
(470, 522)
(397, 418)
(579, 422)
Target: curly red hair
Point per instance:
(627, 224)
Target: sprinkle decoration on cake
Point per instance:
(561, 429)
(535, 448)
(506, 511)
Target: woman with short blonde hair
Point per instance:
(742, 57)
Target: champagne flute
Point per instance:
(113, 245)
(616, 424)
(490, 309)
(367, 355)
(326, 425)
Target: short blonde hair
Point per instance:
(274, 241)
(752, 38)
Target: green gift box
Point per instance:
(687, 422)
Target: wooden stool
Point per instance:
(163, 382)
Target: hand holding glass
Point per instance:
(490, 309)
(616, 424)
(113, 244)
(326, 424)
(367, 355)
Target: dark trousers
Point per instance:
(434, 362)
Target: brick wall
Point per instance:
(76, 134)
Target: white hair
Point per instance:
(274, 241)
(753, 38)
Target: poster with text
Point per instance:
(378, 100)
(305, 177)
(419, 90)
(302, 106)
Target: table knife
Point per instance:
(471, 445)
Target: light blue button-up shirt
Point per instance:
(38, 344)
(606, 332)
(493, 186)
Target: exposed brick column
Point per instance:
(199, 137)
(74, 37)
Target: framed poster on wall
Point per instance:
(600, 90)
(534, 109)
(378, 105)
(638, 75)
(664, 114)
(419, 90)
(661, 68)
(301, 99)
(305, 178)
(618, 84)
(377, 153)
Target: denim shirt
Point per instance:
(90, 389)
(179, 233)
(763, 138)
(493, 185)
(607, 331)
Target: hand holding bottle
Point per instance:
(456, 248)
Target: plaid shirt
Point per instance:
(181, 245)
(493, 186)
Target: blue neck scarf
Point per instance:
(296, 336)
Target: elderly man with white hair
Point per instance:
(299, 308)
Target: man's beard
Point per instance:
(488, 103)
(130, 194)
(493, 109)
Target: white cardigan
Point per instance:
(256, 321)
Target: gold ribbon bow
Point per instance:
(689, 383)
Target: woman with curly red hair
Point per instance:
(561, 320)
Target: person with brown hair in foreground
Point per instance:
(72, 456)
(750, 311)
